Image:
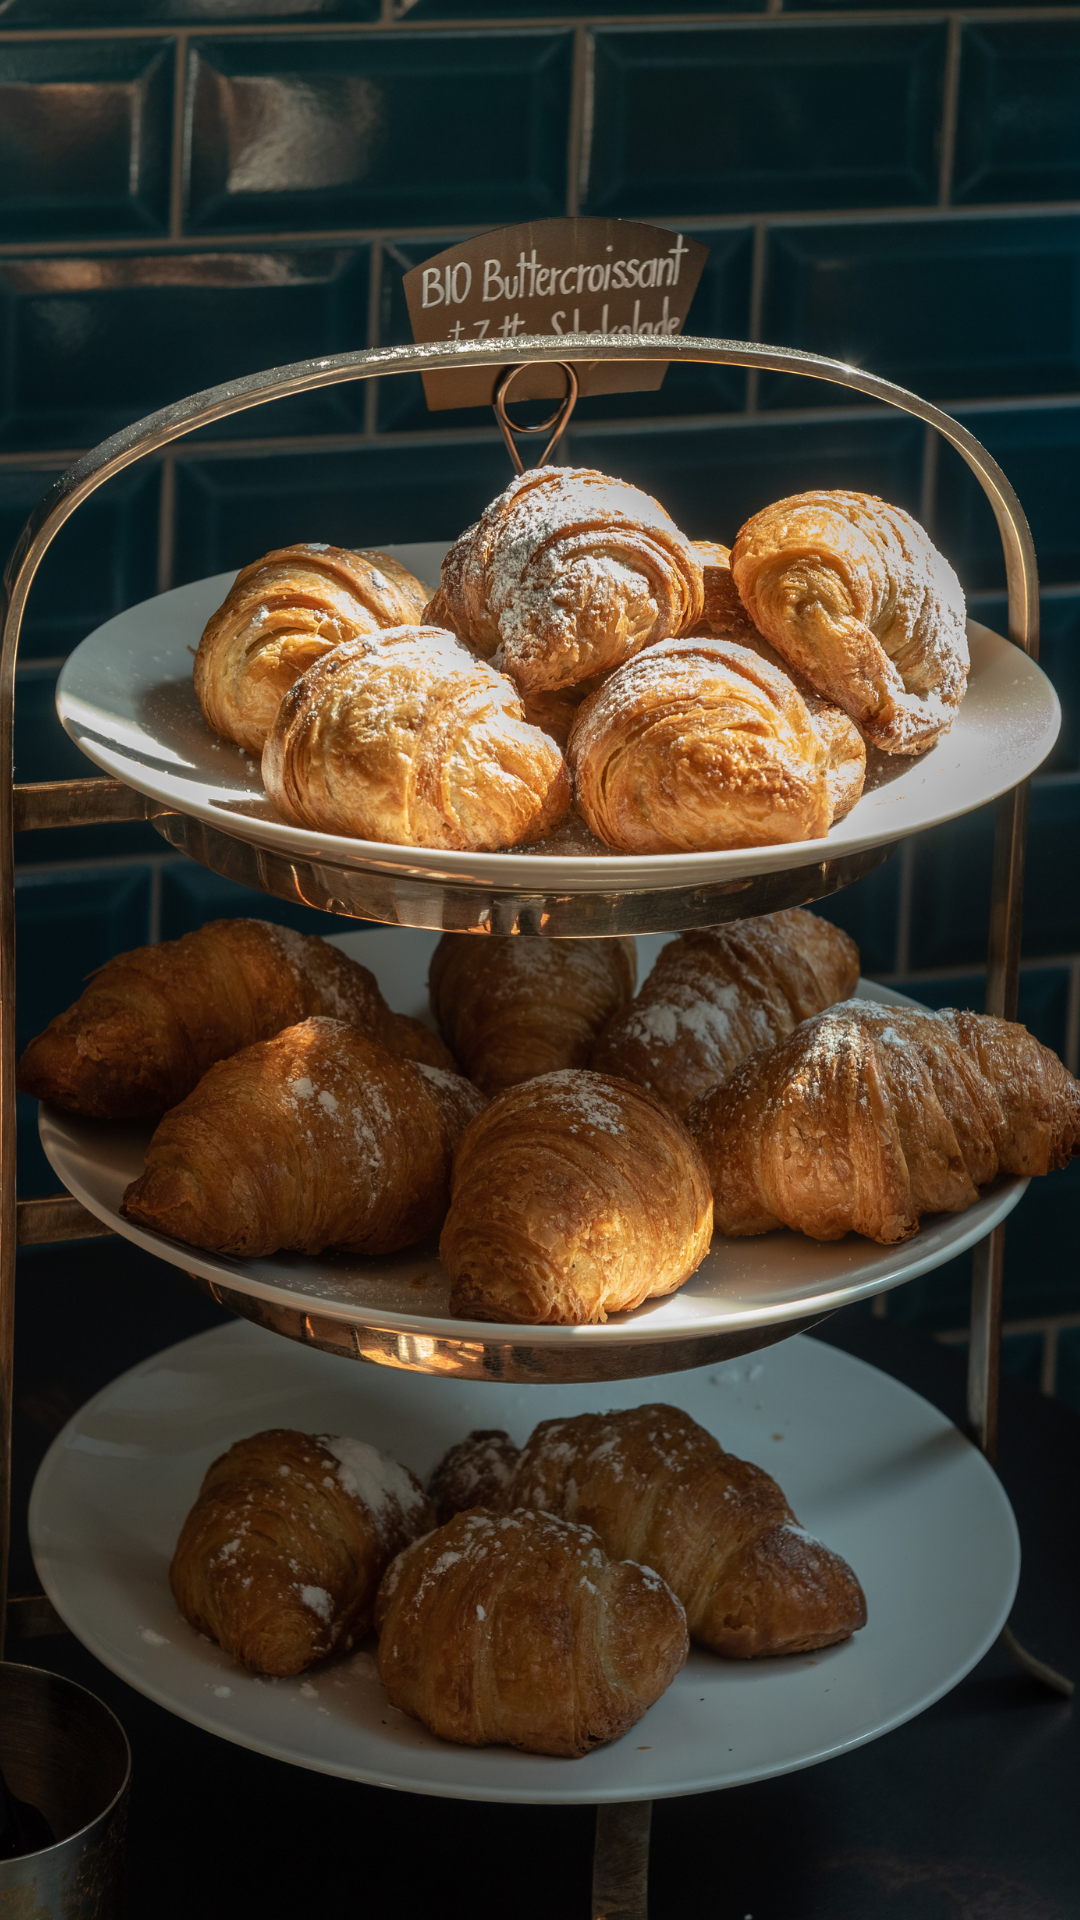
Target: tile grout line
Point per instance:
(1048, 1370)
(177, 164)
(580, 132)
(928, 482)
(221, 240)
(903, 908)
(949, 111)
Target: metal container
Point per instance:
(63, 1751)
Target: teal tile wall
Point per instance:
(193, 189)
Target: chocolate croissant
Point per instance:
(660, 1490)
(474, 1473)
(727, 618)
(317, 1138)
(151, 1022)
(519, 1631)
(867, 1117)
(697, 744)
(281, 1556)
(716, 995)
(513, 1008)
(574, 1196)
(853, 593)
(406, 737)
(566, 574)
(282, 613)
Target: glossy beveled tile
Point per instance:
(331, 131)
(952, 308)
(103, 559)
(691, 120)
(85, 134)
(1018, 117)
(97, 341)
(1039, 448)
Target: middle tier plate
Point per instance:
(127, 699)
(394, 1310)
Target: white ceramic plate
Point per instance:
(741, 1283)
(867, 1465)
(126, 697)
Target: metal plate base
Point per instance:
(502, 1360)
(402, 900)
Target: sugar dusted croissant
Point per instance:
(726, 617)
(519, 1006)
(152, 1021)
(519, 1631)
(574, 1196)
(407, 738)
(867, 1117)
(696, 744)
(474, 1473)
(318, 1138)
(853, 593)
(281, 1556)
(658, 1489)
(566, 574)
(716, 995)
(283, 612)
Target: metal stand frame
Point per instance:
(622, 1835)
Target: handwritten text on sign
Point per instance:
(554, 277)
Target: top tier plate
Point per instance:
(126, 698)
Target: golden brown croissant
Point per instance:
(283, 612)
(574, 1196)
(318, 1138)
(152, 1021)
(519, 1631)
(566, 574)
(520, 1006)
(474, 1473)
(696, 744)
(727, 618)
(407, 738)
(716, 995)
(281, 1556)
(659, 1489)
(853, 593)
(867, 1117)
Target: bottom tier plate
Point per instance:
(866, 1464)
(394, 1310)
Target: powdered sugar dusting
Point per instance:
(374, 1479)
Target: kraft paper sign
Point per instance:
(554, 277)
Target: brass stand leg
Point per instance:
(1002, 983)
(620, 1885)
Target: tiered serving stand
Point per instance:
(126, 698)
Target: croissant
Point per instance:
(574, 1196)
(317, 1138)
(408, 738)
(867, 1117)
(853, 593)
(283, 612)
(698, 744)
(151, 1022)
(281, 1556)
(726, 617)
(520, 1006)
(519, 1631)
(660, 1490)
(716, 995)
(474, 1473)
(566, 574)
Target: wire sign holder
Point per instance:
(547, 365)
